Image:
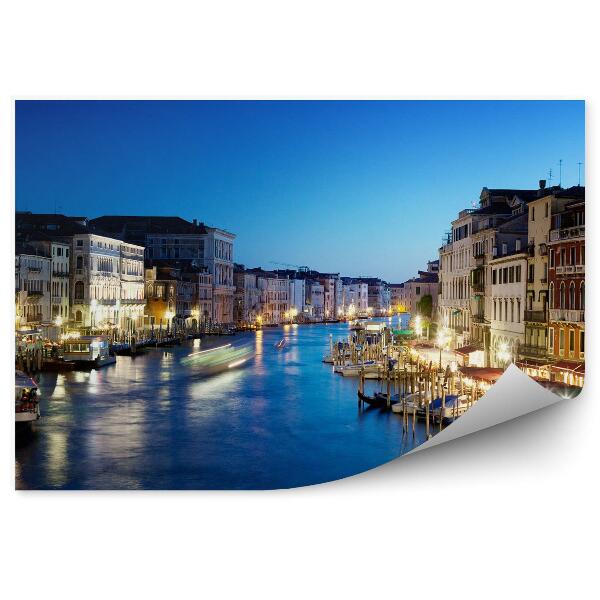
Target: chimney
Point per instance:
(195, 222)
(542, 184)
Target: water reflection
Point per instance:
(283, 419)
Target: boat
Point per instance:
(377, 400)
(90, 351)
(328, 358)
(216, 360)
(369, 369)
(27, 405)
(280, 344)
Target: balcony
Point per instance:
(533, 351)
(478, 318)
(59, 274)
(537, 316)
(567, 233)
(567, 315)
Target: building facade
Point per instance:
(508, 297)
(33, 292)
(107, 283)
(566, 332)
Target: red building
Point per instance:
(566, 293)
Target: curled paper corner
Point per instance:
(513, 395)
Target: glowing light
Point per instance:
(58, 321)
(169, 315)
(236, 363)
(503, 352)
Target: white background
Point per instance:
(509, 512)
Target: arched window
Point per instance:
(582, 296)
(561, 299)
(551, 295)
(78, 316)
(572, 295)
(79, 290)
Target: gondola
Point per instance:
(377, 400)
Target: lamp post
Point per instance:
(418, 325)
(442, 340)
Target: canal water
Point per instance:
(283, 419)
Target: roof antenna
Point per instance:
(550, 177)
(578, 174)
(560, 173)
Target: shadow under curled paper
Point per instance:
(160, 345)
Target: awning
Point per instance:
(466, 350)
(565, 365)
(487, 374)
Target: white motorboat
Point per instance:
(88, 350)
(371, 369)
(27, 405)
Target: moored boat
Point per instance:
(91, 351)
(27, 405)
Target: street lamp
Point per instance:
(442, 340)
(418, 325)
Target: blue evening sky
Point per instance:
(363, 188)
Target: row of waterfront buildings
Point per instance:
(138, 272)
(512, 281)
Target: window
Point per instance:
(504, 248)
(533, 213)
(552, 259)
(530, 279)
(511, 275)
(546, 209)
(572, 255)
(581, 343)
(494, 282)
(418, 290)
(551, 295)
(551, 339)
(79, 262)
(572, 295)
(79, 290)
(561, 298)
(571, 341)
(561, 341)
(518, 274)
(517, 245)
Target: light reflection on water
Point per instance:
(283, 419)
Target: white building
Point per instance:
(59, 252)
(33, 274)
(297, 297)
(508, 303)
(107, 282)
(355, 299)
(175, 241)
